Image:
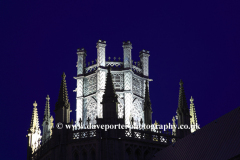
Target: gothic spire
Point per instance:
(183, 115)
(109, 94)
(63, 95)
(34, 126)
(147, 107)
(147, 102)
(47, 110)
(47, 122)
(34, 132)
(193, 118)
(182, 102)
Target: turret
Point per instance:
(81, 64)
(47, 122)
(62, 107)
(144, 58)
(147, 107)
(193, 119)
(127, 54)
(81, 61)
(101, 53)
(34, 133)
(182, 112)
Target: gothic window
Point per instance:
(90, 111)
(84, 155)
(120, 111)
(93, 155)
(137, 112)
(128, 154)
(118, 81)
(137, 86)
(137, 155)
(90, 85)
(75, 156)
(120, 106)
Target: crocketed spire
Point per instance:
(47, 110)
(193, 118)
(63, 95)
(182, 112)
(147, 107)
(182, 102)
(147, 102)
(34, 126)
(109, 94)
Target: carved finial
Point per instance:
(114, 58)
(181, 82)
(109, 58)
(47, 98)
(119, 58)
(173, 119)
(135, 63)
(88, 63)
(191, 100)
(35, 104)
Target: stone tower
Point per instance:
(129, 80)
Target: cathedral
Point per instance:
(109, 91)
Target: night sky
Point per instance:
(196, 41)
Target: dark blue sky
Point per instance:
(196, 41)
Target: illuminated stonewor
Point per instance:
(128, 78)
(47, 122)
(34, 132)
(112, 92)
(193, 119)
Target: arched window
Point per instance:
(128, 154)
(146, 155)
(93, 155)
(137, 155)
(84, 155)
(75, 156)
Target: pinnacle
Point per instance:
(63, 75)
(63, 94)
(181, 83)
(147, 102)
(34, 121)
(191, 99)
(35, 104)
(182, 102)
(109, 94)
(47, 109)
